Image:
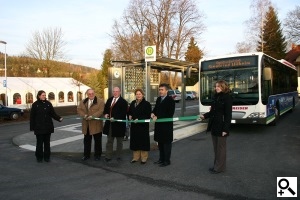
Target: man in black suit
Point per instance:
(163, 131)
(115, 108)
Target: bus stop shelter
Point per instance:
(161, 64)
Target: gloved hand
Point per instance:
(89, 118)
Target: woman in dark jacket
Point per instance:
(139, 132)
(219, 116)
(41, 123)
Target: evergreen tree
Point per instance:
(193, 54)
(273, 42)
(103, 73)
(93, 82)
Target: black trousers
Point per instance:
(87, 141)
(165, 152)
(42, 146)
(219, 144)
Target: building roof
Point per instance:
(293, 56)
(36, 83)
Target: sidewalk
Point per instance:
(69, 138)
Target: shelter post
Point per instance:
(147, 83)
(183, 104)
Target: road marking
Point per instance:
(28, 147)
(66, 140)
(55, 143)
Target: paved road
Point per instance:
(256, 156)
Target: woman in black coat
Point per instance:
(219, 116)
(139, 132)
(41, 123)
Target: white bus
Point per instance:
(262, 87)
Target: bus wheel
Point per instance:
(276, 113)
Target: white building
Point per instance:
(22, 91)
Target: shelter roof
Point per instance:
(162, 64)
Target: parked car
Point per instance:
(175, 94)
(191, 95)
(11, 113)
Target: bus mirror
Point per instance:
(267, 74)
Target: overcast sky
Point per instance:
(87, 24)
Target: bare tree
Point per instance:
(168, 24)
(255, 24)
(292, 25)
(244, 47)
(46, 45)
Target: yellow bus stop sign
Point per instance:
(150, 53)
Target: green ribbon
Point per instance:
(174, 119)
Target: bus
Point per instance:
(262, 88)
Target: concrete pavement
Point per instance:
(69, 138)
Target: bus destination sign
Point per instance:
(246, 61)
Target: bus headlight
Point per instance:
(257, 115)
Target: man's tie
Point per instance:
(90, 103)
(112, 105)
(114, 102)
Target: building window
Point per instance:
(51, 96)
(61, 97)
(70, 97)
(17, 98)
(29, 97)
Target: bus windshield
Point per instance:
(243, 83)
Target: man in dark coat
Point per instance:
(163, 131)
(41, 123)
(115, 108)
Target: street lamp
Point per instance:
(5, 70)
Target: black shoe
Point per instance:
(143, 162)
(164, 164)
(85, 158)
(214, 171)
(133, 161)
(107, 159)
(158, 162)
(119, 159)
(47, 159)
(211, 169)
(97, 158)
(39, 160)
